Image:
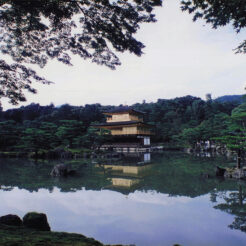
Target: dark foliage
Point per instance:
(219, 13)
(183, 120)
(234, 203)
(231, 98)
(171, 117)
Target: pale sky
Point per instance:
(181, 58)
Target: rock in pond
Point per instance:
(220, 171)
(36, 221)
(236, 173)
(11, 220)
(62, 170)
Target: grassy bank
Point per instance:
(21, 236)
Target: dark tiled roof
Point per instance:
(121, 123)
(122, 109)
(117, 123)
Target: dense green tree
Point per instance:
(38, 136)
(94, 138)
(171, 117)
(34, 31)
(90, 113)
(10, 133)
(68, 131)
(50, 130)
(176, 121)
(34, 139)
(235, 139)
(192, 135)
(214, 127)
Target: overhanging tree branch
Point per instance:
(35, 31)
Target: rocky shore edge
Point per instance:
(34, 230)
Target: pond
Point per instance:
(144, 200)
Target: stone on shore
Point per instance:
(236, 173)
(11, 220)
(36, 221)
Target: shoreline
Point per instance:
(22, 236)
(34, 230)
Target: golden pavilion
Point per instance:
(127, 127)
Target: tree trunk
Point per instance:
(239, 159)
(36, 154)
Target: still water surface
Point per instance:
(157, 200)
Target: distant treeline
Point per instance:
(231, 98)
(36, 127)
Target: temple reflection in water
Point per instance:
(129, 172)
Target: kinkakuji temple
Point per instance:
(127, 128)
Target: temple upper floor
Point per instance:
(123, 117)
(124, 113)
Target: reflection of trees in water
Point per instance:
(5, 188)
(176, 174)
(235, 204)
(32, 176)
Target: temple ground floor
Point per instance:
(139, 143)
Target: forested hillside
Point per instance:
(231, 98)
(183, 120)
